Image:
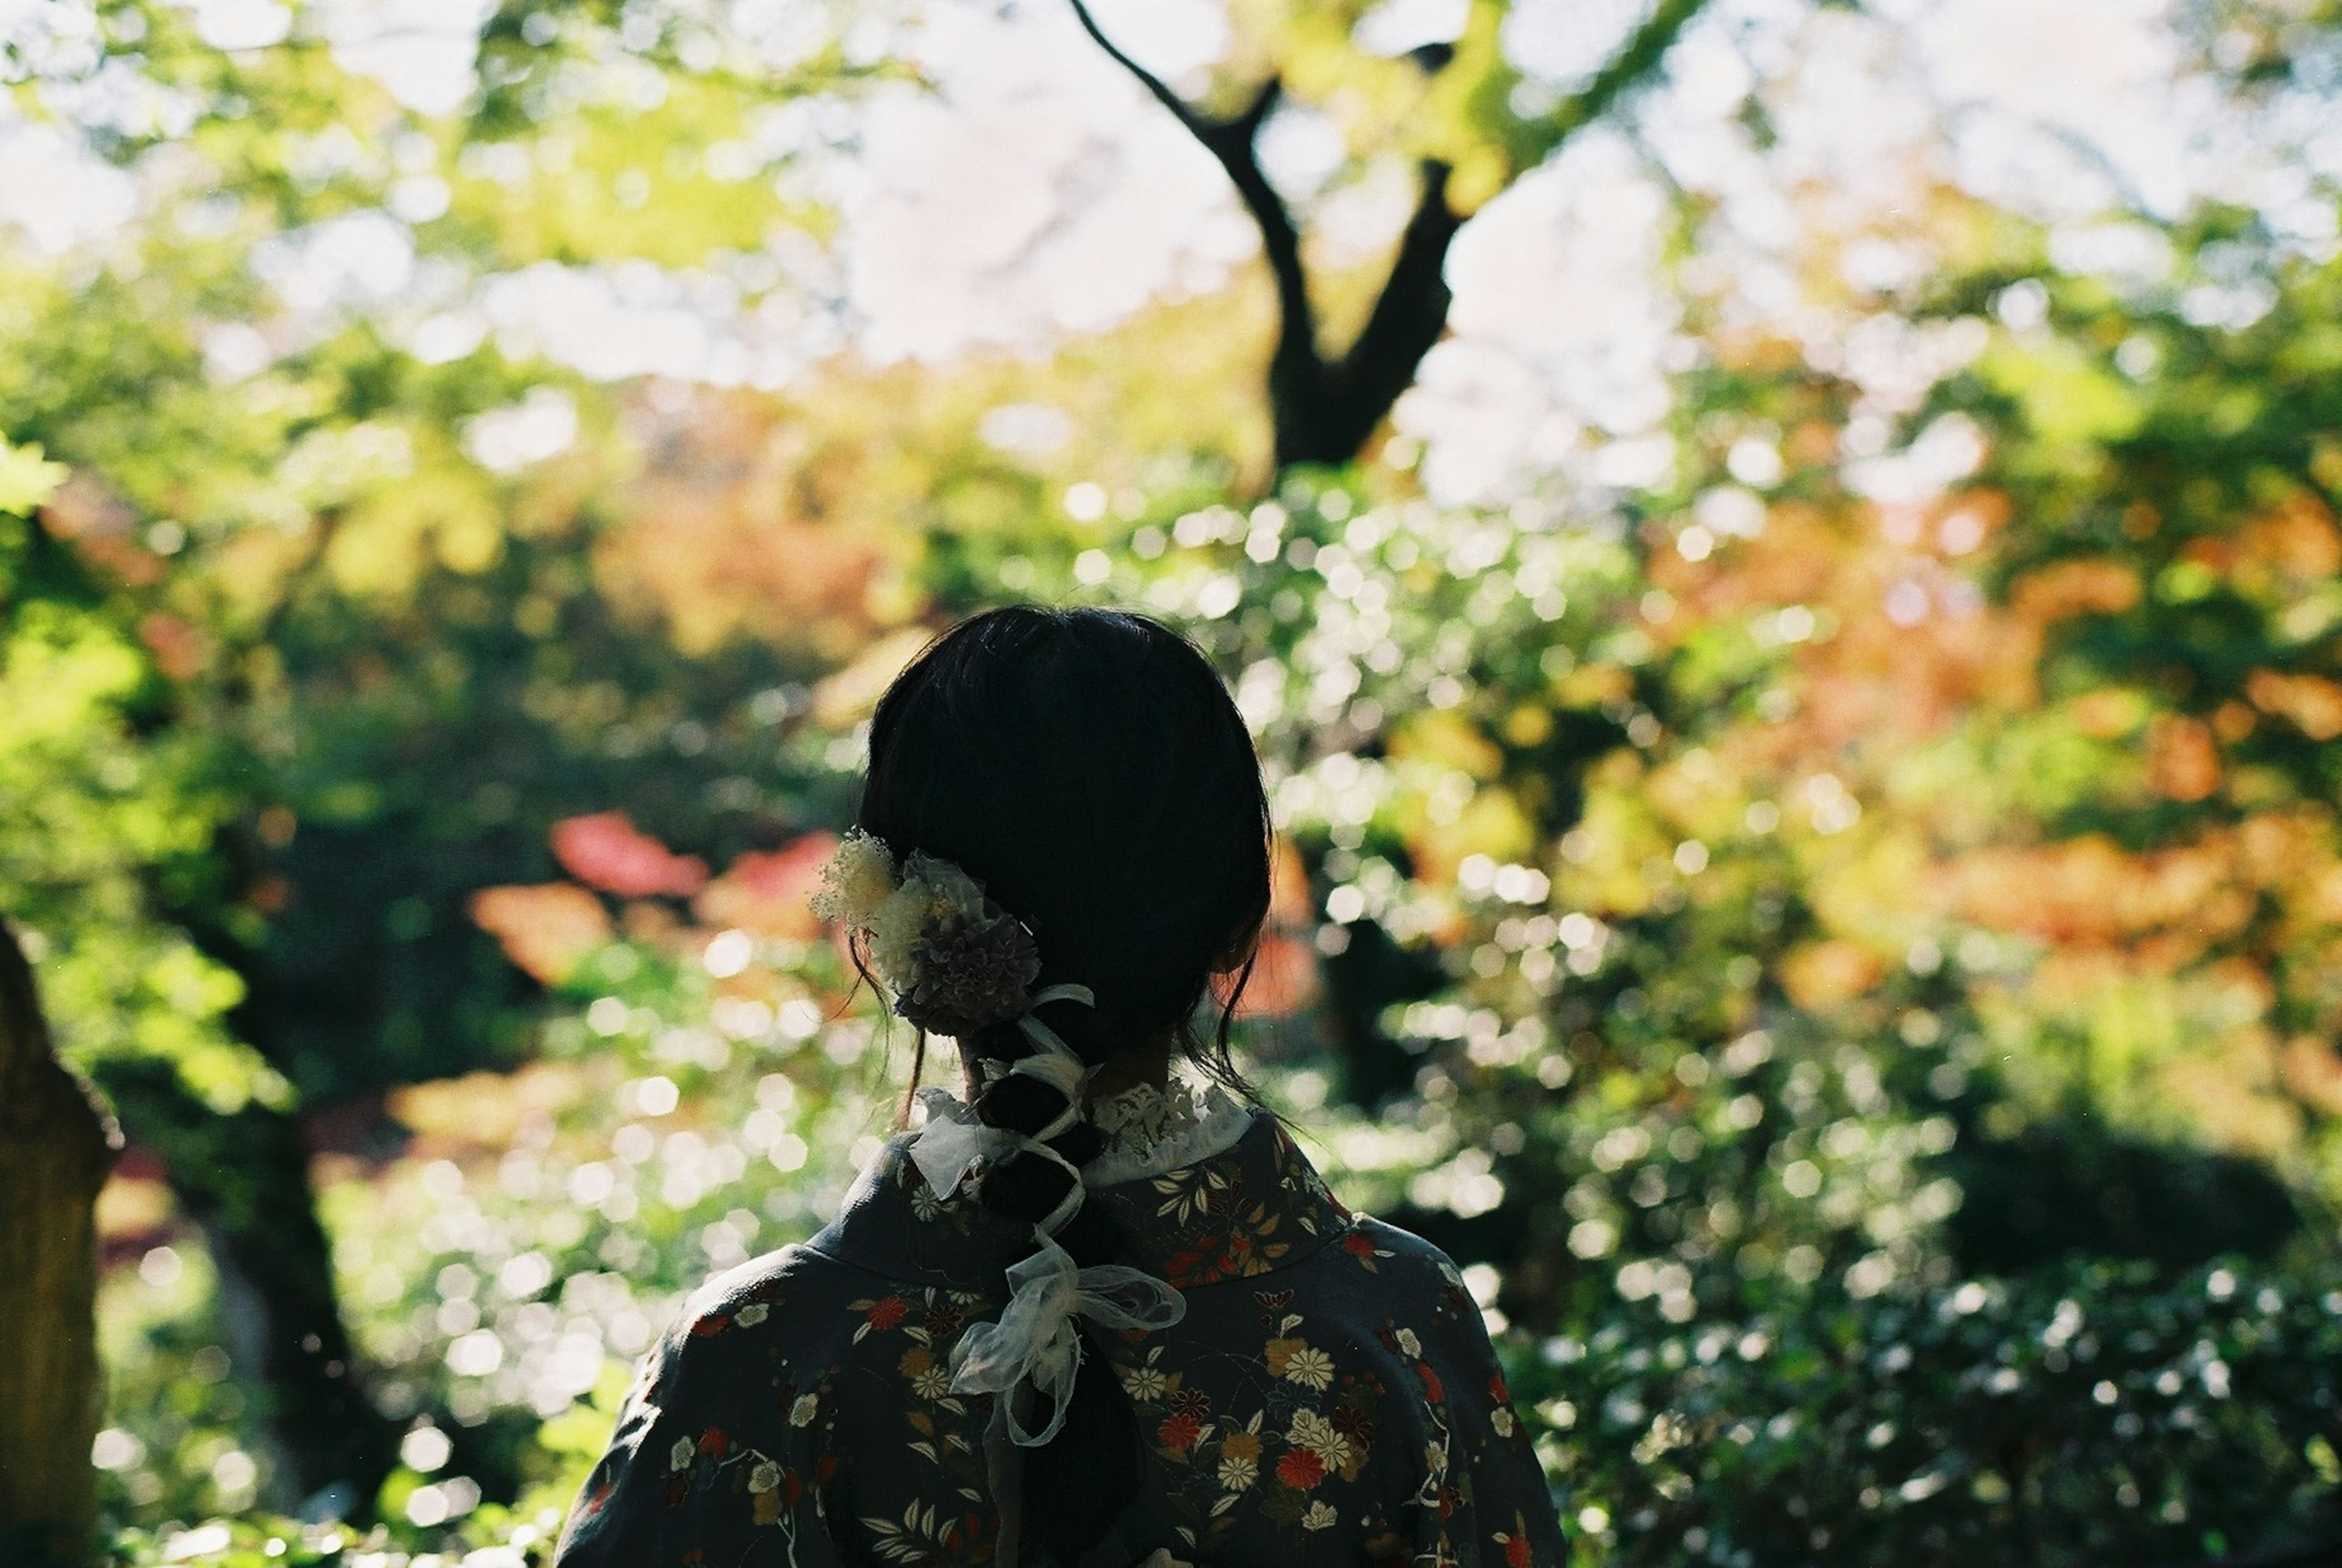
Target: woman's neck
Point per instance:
(1149, 1063)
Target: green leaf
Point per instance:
(27, 479)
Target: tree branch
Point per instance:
(1231, 142)
(1298, 361)
(1154, 84)
(1638, 59)
(1325, 411)
(1408, 319)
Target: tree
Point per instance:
(235, 583)
(58, 1151)
(1459, 111)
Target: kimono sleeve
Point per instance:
(1493, 1469)
(705, 1464)
(1483, 1498)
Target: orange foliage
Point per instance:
(2313, 1073)
(1875, 677)
(1285, 979)
(2182, 761)
(2089, 891)
(2312, 703)
(768, 893)
(1810, 443)
(546, 930)
(1880, 679)
(653, 925)
(852, 693)
(2229, 1099)
(1825, 973)
(1791, 563)
(2277, 849)
(738, 528)
(2324, 901)
(481, 1115)
(2214, 553)
(2086, 587)
(2105, 715)
(103, 529)
(2296, 540)
(179, 648)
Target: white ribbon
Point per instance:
(1058, 1065)
(1036, 1349)
(1051, 1042)
(954, 1140)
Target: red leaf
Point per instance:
(768, 894)
(607, 851)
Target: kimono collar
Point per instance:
(1250, 1209)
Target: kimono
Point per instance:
(1329, 1397)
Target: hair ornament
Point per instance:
(955, 960)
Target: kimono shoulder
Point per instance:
(1349, 1409)
(1330, 1396)
(733, 1441)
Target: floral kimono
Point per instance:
(1329, 1397)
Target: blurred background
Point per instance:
(1781, 554)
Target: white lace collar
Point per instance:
(1150, 1129)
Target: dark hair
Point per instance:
(1089, 769)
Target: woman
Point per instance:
(1102, 1311)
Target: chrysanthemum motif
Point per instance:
(968, 972)
(1310, 1368)
(1318, 1435)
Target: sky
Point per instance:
(1036, 193)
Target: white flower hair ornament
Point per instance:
(957, 963)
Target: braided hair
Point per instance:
(1090, 770)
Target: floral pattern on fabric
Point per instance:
(1330, 1397)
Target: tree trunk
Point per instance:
(243, 1178)
(56, 1149)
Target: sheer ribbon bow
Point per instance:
(1035, 1348)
